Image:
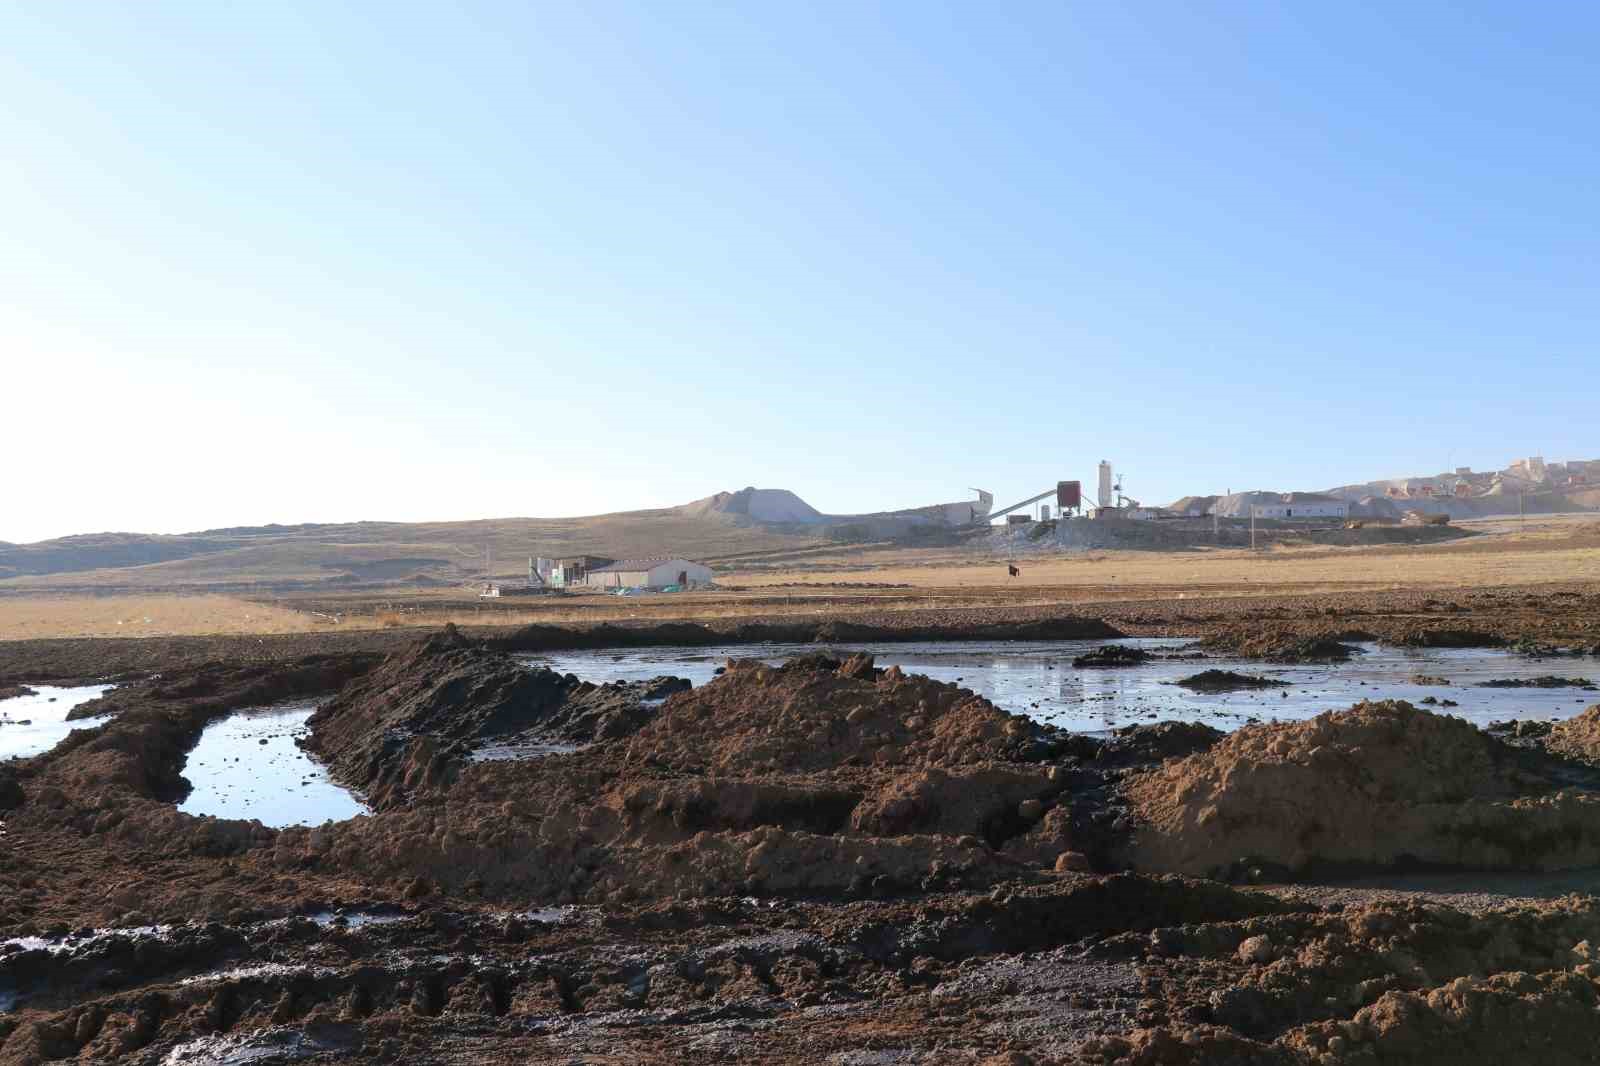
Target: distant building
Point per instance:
(1532, 468)
(574, 570)
(648, 573)
(1303, 505)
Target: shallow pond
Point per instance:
(1037, 678)
(248, 766)
(46, 715)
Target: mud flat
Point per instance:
(821, 860)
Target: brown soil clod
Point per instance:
(1277, 646)
(1227, 681)
(1540, 682)
(1112, 655)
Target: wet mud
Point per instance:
(820, 861)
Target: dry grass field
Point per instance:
(839, 582)
(141, 616)
(1506, 554)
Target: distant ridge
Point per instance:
(725, 525)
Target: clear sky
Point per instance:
(320, 262)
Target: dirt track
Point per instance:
(823, 862)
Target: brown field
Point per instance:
(22, 618)
(843, 582)
(1505, 554)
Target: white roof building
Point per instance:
(1303, 505)
(648, 573)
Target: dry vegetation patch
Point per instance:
(25, 617)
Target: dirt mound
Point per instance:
(1136, 745)
(1112, 655)
(1421, 637)
(778, 506)
(1379, 784)
(1547, 681)
(412, 721)
(1227, 681)
(818, 713)
(1577, 737)
(1278, 646)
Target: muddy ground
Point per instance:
(820, 862)
(1555, 617)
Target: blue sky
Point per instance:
(318, 262)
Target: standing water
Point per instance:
(248, 766)
(1037, 679)
(30, 725)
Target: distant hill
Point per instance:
(360, 554)
(750, 525)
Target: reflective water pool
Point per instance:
(1037, 678)
(46, 718)
(247, 766)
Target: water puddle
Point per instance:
(348, 920)
(77, 941)
(248, 766)
(267, 1046)
(74, 941)
(274, 970)
(553, 915)
(31, 725)
(502, 752)
(1037, 678)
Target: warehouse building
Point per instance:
(565, 573)
(648, 573)
(1303, 505)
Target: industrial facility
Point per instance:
(585, 572)
(648, 574)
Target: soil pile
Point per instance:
(1577, 737)
(1277, 646)
(1379, 784)
(1227, 681)
(412, 722)
(1142, 745)
(1112, 655)
(818, 713)
(1443, 637)
(824, 776)
(1547, 681)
